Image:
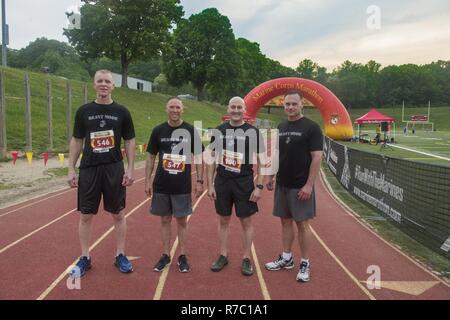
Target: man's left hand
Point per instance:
(256, 195)
(305, 192)
(128, 179)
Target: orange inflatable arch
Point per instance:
(337, 122)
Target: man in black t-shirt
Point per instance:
(235, 145)
(300, 144)
(101, 125)
(175, 141)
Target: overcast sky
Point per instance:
(327, 32)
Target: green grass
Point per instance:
(15, 109)
(147, 110)
(389, 231)
(439, 115)
(436, 143)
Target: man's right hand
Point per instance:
(72, 179)
(212, 194)
(148, 188)
(270, 184)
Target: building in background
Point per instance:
(133, 83)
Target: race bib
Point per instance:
(102, 141)
(174, 163)
(232, 161)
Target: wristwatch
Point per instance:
(260, 186)
(200, 181)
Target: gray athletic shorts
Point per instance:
(287, 204)
(178, 205)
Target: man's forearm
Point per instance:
(149, 165)
(260, 178)
(130, 150)
(210, 170)
(199, 169)
(314, 169)
(75, 148)
(199, 165)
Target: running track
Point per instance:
(39, 241)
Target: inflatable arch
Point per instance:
(337, 122)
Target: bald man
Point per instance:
(235, 146)
(174, 142)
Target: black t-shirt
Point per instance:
(102, 126)
(296, 141)
(175, 146)
(237, 152)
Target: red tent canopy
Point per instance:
(374, 116)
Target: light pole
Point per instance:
(4, 35)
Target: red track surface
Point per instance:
(34, 260)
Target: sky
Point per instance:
(327, 32)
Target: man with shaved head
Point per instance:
(235, 144)
(174, 141)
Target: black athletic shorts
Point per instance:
(235, 191)
(103, 179)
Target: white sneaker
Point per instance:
(304, 272)
(280, 263)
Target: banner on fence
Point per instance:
(414, 196)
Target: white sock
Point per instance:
(306, 260)
(286, 255)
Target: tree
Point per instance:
(253, 66)
(138, 69)
(322, 75)
(277, 70)
(203, 52)
(307, 69)
(60, 59)
(371, 72)
(441, 75)
(128, 30)
(349, 84)
(161, 85)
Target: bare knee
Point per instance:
(166, 220)
(118, 217)
(286, 222)
(224, 221)
(246, 223)
(86, 219)
(182, 222)
(303, 226)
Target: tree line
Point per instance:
(200, 55)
